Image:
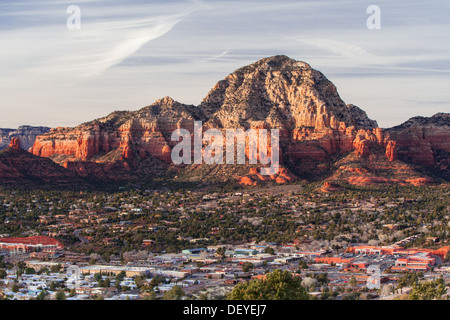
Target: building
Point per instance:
(418, 262)
(29, 244)
(38, 265)
(333, 260)
(375, 250)
(246, 252)
(129, 271)
(193, 251)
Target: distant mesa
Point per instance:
(26, 135)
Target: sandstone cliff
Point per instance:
(317, 130)
(424, 141)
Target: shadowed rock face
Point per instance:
(316, 126)
(20, 167)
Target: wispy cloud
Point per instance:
(101, 43)
(99, 47)
(342, 49)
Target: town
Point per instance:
(367, 244)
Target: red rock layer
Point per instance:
(316, 127)
(424, 141)
(15, 143)
(255, 178)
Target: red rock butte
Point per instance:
(316, 129)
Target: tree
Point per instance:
(156, 280)
(352, 282)
(221, 252)
(106, 283)
(53, 285)
(98, 277)
(174, 294)
(42, 295)
(43, 270)
(120, 276)
(247, 266)
(139, 281)
(407, 280)
(302, 264)
(430, 290)
(269, 250)
(72, 293)
(55, 268)
(277, 285)
(60, 295)
(351, 296)
(150, 296)
(30, 271)
(3, 273)
(21, 265)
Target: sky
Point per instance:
(56, 70)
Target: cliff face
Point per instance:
(15, 143)
(316, 128)
(26, 135)
(120, 135)
(424, 141)
(315, 124)
(279, 92)
(274, 93)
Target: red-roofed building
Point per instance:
(332, 260)
(419, 262)
(30, 244)
(374, 250)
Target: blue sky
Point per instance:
(127, 54)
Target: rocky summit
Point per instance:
(320, 135)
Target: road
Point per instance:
(76, 233)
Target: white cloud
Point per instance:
(96, 48)
(54, 51)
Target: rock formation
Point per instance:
(254, 177)
(316, 130)
(424, 141)
(15, 143)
